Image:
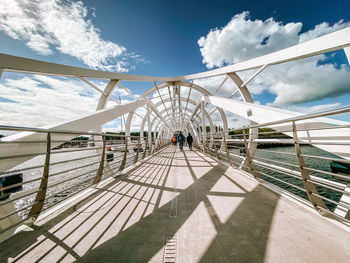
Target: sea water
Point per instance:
(286, 159)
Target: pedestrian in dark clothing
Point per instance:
(189, 141)
(181, 140)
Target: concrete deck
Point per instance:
(181, 207)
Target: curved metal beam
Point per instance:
(104, 98)
(189, 85)
(327, 43)
(243, 90)
(211, 124)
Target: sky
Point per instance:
(167, 38)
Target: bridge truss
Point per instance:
(179, 103)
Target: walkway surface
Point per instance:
(181, 207)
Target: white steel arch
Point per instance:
(176, 83)
(334, 41)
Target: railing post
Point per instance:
(209, 147)
(202, 142)
(144, 150)
(249, 157)
(137, 152)
(150, 147)
(227, 152)
(158, 146)
(206, 144)
(98, 176)
(309, 187)
(40, 197)
(216, 150)
(122, 165)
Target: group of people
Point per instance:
(180, 138)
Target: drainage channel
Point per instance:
(173, 202)
(170, 242)
(170, 249)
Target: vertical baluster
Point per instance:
(309, 187)
(202, 145)
(98, 176)
(122, 165)
(144, 150)
(252, 168)
(40, 197)
(209, 147)
(150, 147)
(137, 152)
(216, 150)
(227, 152)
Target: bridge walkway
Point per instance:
(181, 207)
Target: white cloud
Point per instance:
(322, 29)
(48, 24)
(243, 38)
(93, 10)
(313, 109)
(304, 81)
(37, 101)
(295, 82)
(42, 101)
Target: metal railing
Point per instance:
(62, 168)
(66, 167)
(291, 160)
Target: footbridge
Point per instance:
(72, 192)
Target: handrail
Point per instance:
(322, 176)
(120, 151)
(76, 168)
(298, 118)
(42, 130)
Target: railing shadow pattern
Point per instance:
(127, 219)
(220, 216)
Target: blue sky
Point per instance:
(167, 38)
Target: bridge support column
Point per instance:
(149, 133)
(310, 188)
(247, 97)
(204, 128)
(122, 165)
(98, 176)
(248, 158)
(137, 151)
(41, 195)
(228, 156)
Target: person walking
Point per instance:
(181, 140)
(190, 141)
(174, 140)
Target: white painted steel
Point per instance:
(327, 43)
(347, 53)
(86, 123)
(178, 116)
(263, 114)
(253, 76)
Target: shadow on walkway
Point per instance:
(129, 219)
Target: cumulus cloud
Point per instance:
(41, 101)
(38, 101)
(294, 82)
(313, 109)
(48, 25)
(304, 81)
